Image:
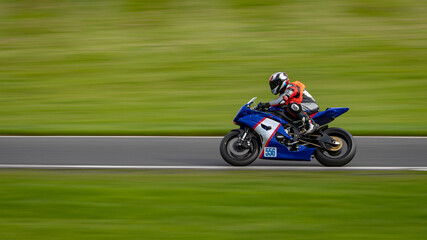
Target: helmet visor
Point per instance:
(274, 84)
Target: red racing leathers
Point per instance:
(298, 103)
(295, 92)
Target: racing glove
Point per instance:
(262, 105)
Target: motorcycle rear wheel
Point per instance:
(337, 156)
(237, 155)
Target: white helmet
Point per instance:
(278, 82)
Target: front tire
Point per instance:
(337, 156)
(237, 155)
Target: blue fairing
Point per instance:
(327, 116)
(251, 118)
(304, 153)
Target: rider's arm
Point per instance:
(290, 93)
(283, 99)
(278, 101)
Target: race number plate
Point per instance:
(270, 152)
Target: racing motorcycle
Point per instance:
(270, 134)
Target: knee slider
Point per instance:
(296, 110)
(295, 107)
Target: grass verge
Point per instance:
(83, 204)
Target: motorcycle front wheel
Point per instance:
(233, 151)
(339, 155)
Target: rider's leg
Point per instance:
(311, 125)
(308, 109)
(295, 111)
(301, 113)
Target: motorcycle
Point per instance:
(270, 134)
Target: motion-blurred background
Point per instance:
(184, 67)
(169, 67)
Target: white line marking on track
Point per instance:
(393, 137)
(286, 168)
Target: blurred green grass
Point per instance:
(212, 205)
(185, 67)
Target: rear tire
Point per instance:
(236, 155)
(340, 155)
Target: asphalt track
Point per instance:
(185, 152)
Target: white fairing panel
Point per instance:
(269, 124)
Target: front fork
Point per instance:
(243, 140)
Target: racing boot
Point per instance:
(311, 125)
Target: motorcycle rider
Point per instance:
(295, 98)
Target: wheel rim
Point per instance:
(336, 148)
(238, 152)
(340, 151)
